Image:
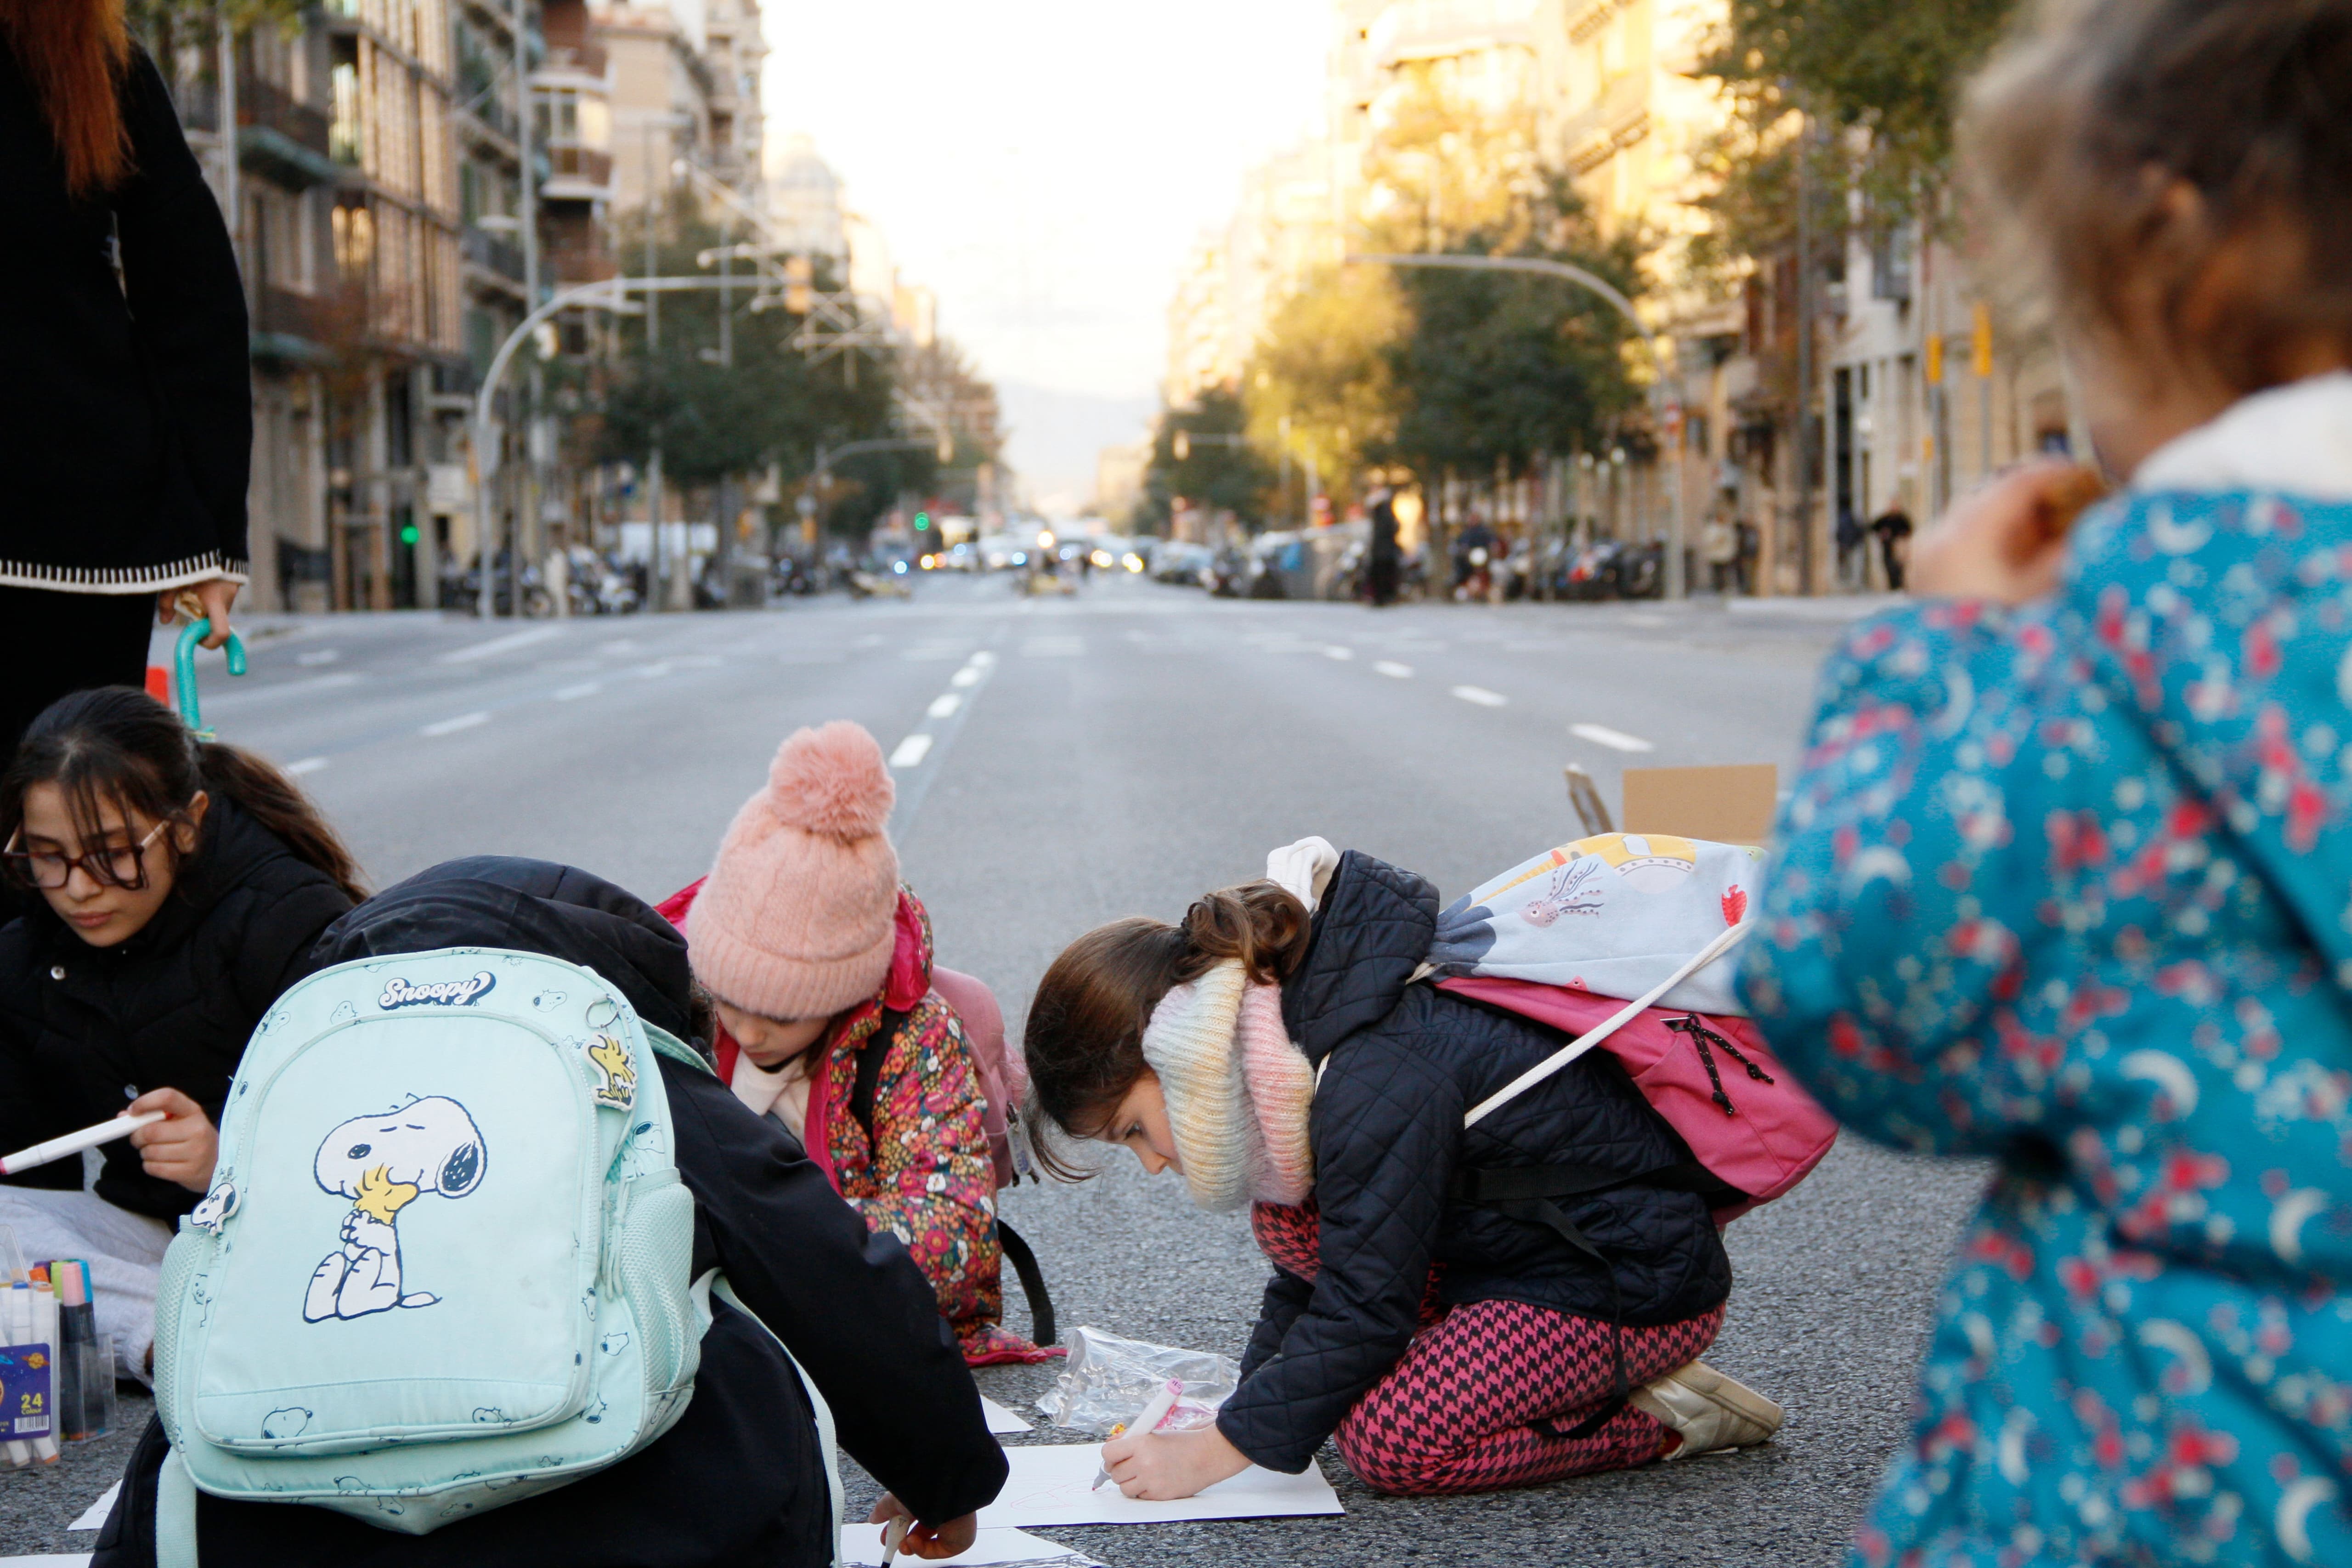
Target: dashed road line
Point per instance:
(1481, 696)
(944, 704)
(1615, 740)
(911, 752)
(574, 693)
(1393, 670)
(496, 646)
(451, 726)
(1334, 650)
(307, 765)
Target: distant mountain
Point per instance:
(1056, 436)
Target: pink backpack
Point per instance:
(1002, 1076)
(1712, 1078)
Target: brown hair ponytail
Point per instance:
(115, 744)
(73, 54)
(1083, 1042)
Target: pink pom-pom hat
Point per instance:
(796, 919)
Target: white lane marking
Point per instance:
(451, 726)
(1336, 651)
(911, 750)
(235, 700)
(1481, 696)
(1393, 670)
(502, 645)
(657, 669)
(983, 659)
(942, 706)
(574, 693)
(307, 765)
(319, 656)
(968, 676)
(1616, 740)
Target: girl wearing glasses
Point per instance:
(180, 884)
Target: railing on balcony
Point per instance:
(492, 253)
(264, 105)
(580, 259)
(275, 132)
(578, 172)
(581, 59)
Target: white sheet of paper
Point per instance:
(861, 1544)
(1050, 1485)
(1000, 1419)
(94, 1517)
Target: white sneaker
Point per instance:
(1708, 1410)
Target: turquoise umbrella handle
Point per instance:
(184, 670)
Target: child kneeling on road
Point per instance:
(2062, 882)
(818, 966)
(1450, 1349)
(740, 1477)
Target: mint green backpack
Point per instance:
(444, 1263)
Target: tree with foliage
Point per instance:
(719, 413)
(1321, 387)
(1211, 465)
(1495, 369)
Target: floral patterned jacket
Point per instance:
(2072, 885)
(923, 1173)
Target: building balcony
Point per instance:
(492, 253)
(570, 65)
(579, 258)
(277, 136)
(289, 328)
(576, 173)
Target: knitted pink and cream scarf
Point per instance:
(1237, 1090)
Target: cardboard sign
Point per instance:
(1730, 804)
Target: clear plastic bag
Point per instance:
(1108, 1380)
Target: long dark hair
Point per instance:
(73, 54)
(1084, 1043)
(114, 743)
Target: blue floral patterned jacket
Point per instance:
(2072, 885)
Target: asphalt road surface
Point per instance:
(1064, 762)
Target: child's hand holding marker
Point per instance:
(1157, 1466)
(917, 1539)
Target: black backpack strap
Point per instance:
(1033, 1280)
(870, 1070)
(1494, 1186)
(1531, 1193)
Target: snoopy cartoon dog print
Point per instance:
(382, 1164)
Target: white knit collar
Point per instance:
(2294, 439)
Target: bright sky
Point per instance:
(1046, 164)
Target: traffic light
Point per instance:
(922, 521)
(408, 533)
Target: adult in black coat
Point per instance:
(1116, 1052)
(126, 422)
(136, 974)
(741, 1478)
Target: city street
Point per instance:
(1064, 762)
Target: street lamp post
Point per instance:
(1544, 268)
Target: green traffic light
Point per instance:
(408, 534)
(922, 521)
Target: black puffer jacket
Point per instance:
(1404, 1063)
(85, 1030)
(740, 1480)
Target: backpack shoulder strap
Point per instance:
(666, 1044)
(870, 1057)
(1559, 1059)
